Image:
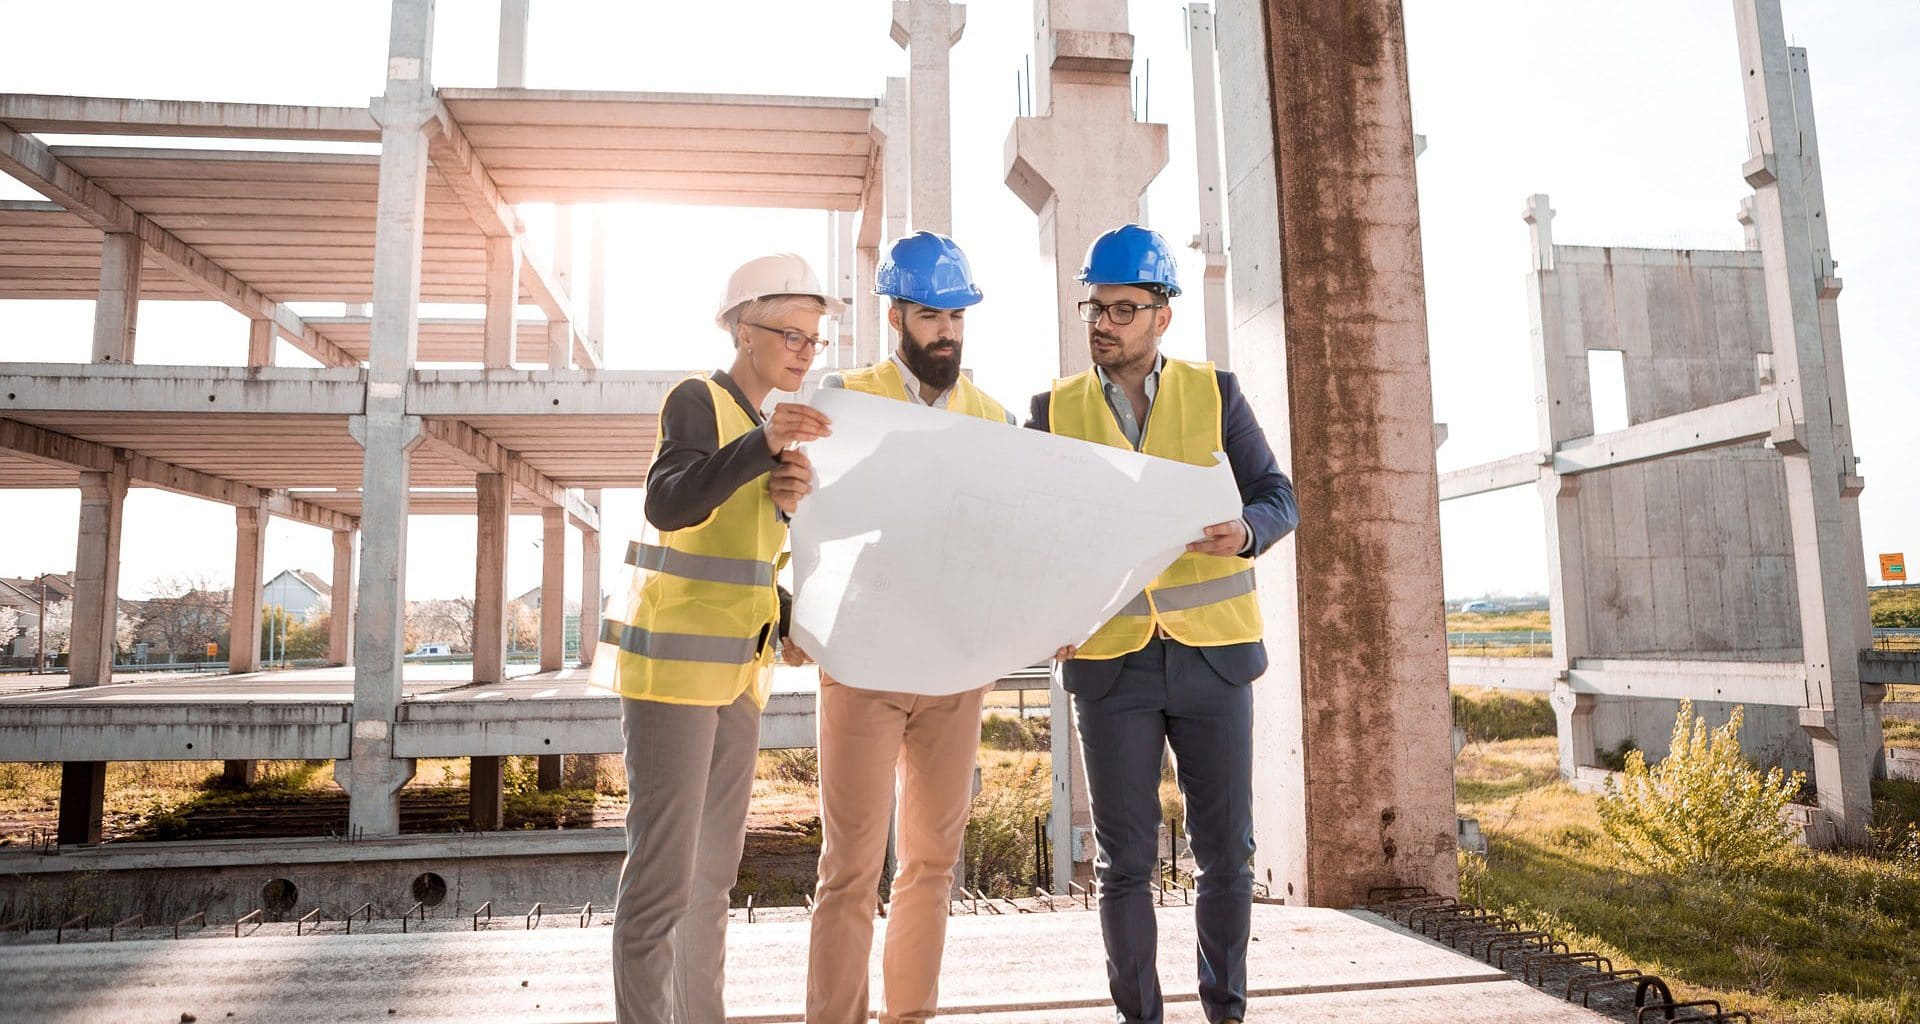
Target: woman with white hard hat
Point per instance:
(692, 653)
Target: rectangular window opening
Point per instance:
(1607, 388)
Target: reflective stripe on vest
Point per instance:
(724, 650)
(883, 378)
(695, 624)
(745, 571)
(1200, 600)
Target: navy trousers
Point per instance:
(1167, 694)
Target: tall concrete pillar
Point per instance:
(495, 495)
(1212, 239)
(1560, 418)
(96, 577)
(1352, 744)
(1070, 822)
(870, 322)
(844, 276)
(249, 554)
(590, 600)
(1077, 188)
(117, 310)
(553, 588)
(83, 802)
(340, 616)
(1789, 217)
(928, 30)
(503, 302)
(511, 67)
(388, 435)
(260, 337)
(560, 332)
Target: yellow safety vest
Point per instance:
(702, 606)
(1201, 600)
(883, 379)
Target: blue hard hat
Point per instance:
(1131, 254)
(927, 269)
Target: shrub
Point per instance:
(1009, 732)
(1705, 806)
(999, 843)
(798, 766)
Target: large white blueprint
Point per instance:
(938, 551)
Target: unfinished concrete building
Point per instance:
(1710, 550)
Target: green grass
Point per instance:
(1895, 608)
(1499, 622)
(1808, 936)
(1494, 715)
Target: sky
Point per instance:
(1629, 115)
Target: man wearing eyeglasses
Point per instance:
(870, 738)
(1174, 666)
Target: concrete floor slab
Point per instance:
(1323, 964)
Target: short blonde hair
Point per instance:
(764, 309)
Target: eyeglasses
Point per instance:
(1121, 313)
(796, 340)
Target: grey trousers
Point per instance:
(689, 779)
(1167, 694)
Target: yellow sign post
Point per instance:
(1893, 568)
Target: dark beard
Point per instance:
(931, 369)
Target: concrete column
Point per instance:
(239, 774)
(340, 616)
(503, 302)
(897, 186)
(117, 309)
(553, 589)
(260, 338)
(553, 772)
(589, 585)
(1562, 414)
(597, 280)
(511, 71)
(487, 793)
(83, 801)
(96, 583)
(845, 282)
(249, 554)
(1573, 718)
(1351, 731)
(1814, 449)
(373, 776)
(495, 496)
(1212, 239)
(928, 30)
(870, 322)
(1070, 822)
(1083, 82)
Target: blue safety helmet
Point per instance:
(1131, 254)
(927, 269)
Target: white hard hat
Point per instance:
(782, 273)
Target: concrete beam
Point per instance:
(250, 548)
(490, 578)
(1498, 475)
(30, 161)
(102, 115)
(485, 455)
(1777, 684)
(51, 447)
(340, 615)
(1533, 675)
(116, 311)
(199, 731)
(553, 591)
(1753, 418)
(96, 576)
(1890, 668)
(70, 387)
(568, 725)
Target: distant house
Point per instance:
(300, 592)
(23, 596)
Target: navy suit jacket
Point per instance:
(1268, 506)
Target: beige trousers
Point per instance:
(871, 741)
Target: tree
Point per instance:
(441, 622)
(9, 625)
(523, 627)
(185, 614)
(126, 631)
(57, 622)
